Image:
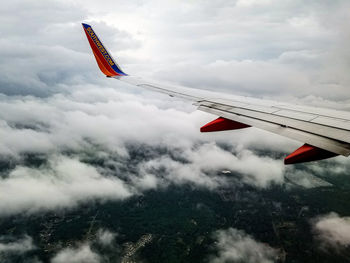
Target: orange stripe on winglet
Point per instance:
(102, 67)
(102, 63)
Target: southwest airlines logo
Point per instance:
(100, 46)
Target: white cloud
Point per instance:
(84, 252)
(19, 246)
(202, 164)
(11, 249)
(234, 245)
(105, 237)
(332, 230)
(64, 183)
(249, 3)
(80, 254)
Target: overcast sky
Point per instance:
(288, 48)
(54, 99)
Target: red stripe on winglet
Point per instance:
(101, 66)
(101, 60)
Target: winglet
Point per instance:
(104, 60)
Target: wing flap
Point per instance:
(296, 115)
(307, 126)
(333, 122)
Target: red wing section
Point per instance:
(308, 153)
(222, 124)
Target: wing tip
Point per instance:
(104, 60)
(85, 25)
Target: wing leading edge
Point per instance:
(325, 132)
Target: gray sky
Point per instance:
(286, 48)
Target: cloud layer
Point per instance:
(332, 230)
(10, 247)
(63, 183)
(236, 246)
(80, 254)
(89, 147)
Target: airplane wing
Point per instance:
(324, 132)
